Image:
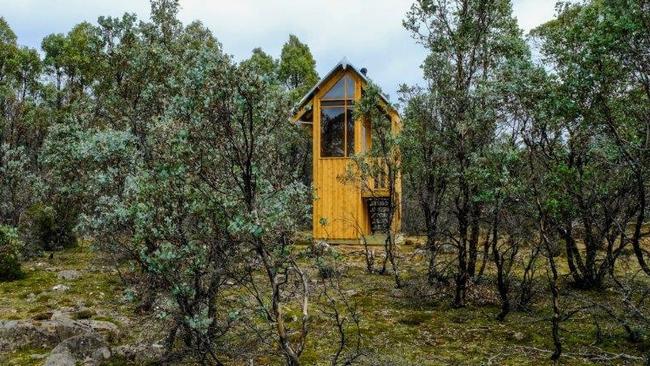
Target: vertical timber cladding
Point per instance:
(342, 210)
(337, 203)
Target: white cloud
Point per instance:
(368, 32)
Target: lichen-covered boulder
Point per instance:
(89, 349)
(15, 334)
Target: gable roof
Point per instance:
(344, 64)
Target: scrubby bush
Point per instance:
(327, 260)
(10, 247)
(327, 270)
(45, 228)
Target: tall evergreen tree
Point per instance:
(297, 68)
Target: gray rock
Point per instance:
(60, 288)
(140, 353)
(69, 275)
(15, 334)
(61, 359)
(321, 247)
(89, 348)
(107, 329)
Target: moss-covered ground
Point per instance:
(411, 326)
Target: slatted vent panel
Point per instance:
(378, 209)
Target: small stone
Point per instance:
(518, 336)
(60, 288)
(69, 275)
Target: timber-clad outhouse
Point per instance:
(342, 210)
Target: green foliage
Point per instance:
(190, 173)
(10, 248)
(451, 126)
(19, 186)
(181, 162)
(263, 63)
(20, 126)
(297, 68)
(328, 260)
(587, 128)
(44, 227)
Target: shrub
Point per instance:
(10, 248)
(326, 270)
(327, 260)
(46, 228)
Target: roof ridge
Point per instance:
(344, 64)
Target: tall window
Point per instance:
(336, 122)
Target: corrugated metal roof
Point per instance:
(343, 64)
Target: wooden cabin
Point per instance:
(343, 210)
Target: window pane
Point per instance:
(350, 131)
(350, 87)
(337, 91)
(332, 132)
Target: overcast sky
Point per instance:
(368, 32)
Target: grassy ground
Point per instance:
(413, 326)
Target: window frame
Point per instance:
(347, 103)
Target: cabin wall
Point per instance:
(338, 202)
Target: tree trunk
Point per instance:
(475, 230)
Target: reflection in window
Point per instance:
(337, 121)
(350, 129)
(332, 142)
(343, 89)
